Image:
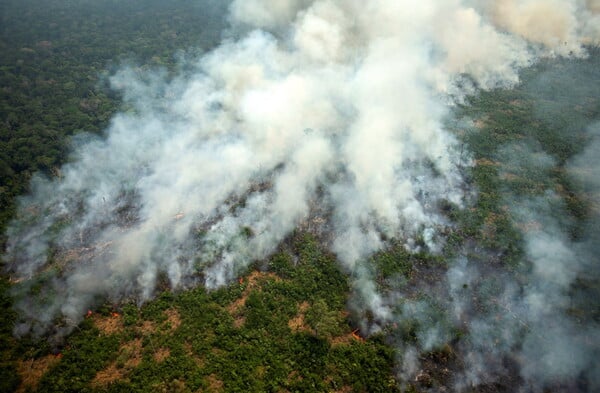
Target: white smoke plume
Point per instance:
(531, 327)
(324, 105)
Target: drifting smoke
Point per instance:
(323, 106)
(533, 326)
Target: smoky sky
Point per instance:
(329, 110)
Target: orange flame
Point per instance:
(356, 336)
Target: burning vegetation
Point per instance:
(335, 197)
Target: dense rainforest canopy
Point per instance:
(285, 324)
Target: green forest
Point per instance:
(284, 325)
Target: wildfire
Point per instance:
(356, 336)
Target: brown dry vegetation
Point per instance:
(298, 324)
(31, 371)
(480, 123)
(109, 375)
(161, 354)
(215, 385)
(110, 324)
(489, 225)
(199, 361)
(529, 226)
(486, 161)
(252, 282)
(294, 376)
(82, 254)
(146, 328)
(239, 321)
(173, 318)
(345, 339)
(507, 176)
(130, 356)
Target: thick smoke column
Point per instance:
(533, 324)
(312, 106)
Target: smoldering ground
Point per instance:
(335, 104)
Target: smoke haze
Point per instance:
(328, 110)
